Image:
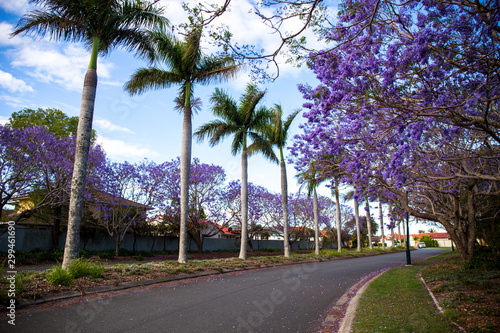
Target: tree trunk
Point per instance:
(284, 200)
(368, 223)
(117, 248)
(472, 229)
(381, 222)
(316, 222)
(337, 205)
(404, 233)
(399, 233)
(391, 219)
(185, 172)
(80, 167)
(356, 216)
(244, 204)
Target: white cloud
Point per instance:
(48, 63)
(246, 28)
(110, 127)
(12, 84)
(13, 101)
(15, 6)
(5, 31)
(117, 149)
(3, 120)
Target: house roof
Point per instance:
(396, 236)
(433, 235)
(227, 230)
(104, 197)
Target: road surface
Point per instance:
(283, 299)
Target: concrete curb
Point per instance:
(436, 303)
(346, 324)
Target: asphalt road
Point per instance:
(283, 299)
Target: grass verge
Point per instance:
(398, 302)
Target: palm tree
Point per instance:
(101, 25)
(187, 66)
(368, 222)
(353, 195)
(276, 134)
(309, 179)
(243, 121)
(336, 191)
(381, 214)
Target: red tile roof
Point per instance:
(433, 235)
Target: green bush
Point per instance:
(429, 242)
(125, 253)
(83, 267)
(108, 254)
(85, 254)
(59, 276)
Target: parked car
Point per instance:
(421, 245)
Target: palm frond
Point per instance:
(223, 105)
(263, 146)
(238, 143)
(215, 131)
(192, 51)
(212, 69)
(288, 122)
(115, 23)
(150, 78)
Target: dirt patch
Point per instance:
(122, 269)
(471, 298)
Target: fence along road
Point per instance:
(287, 298)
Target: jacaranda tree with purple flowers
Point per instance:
(409, 96)
(37, 165)
(125, 194)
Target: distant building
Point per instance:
(443, 238)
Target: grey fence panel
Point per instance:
(29, 240)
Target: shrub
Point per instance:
(125, 253)
(429, 242)
(85, 254)
(108, 254)
(59, 276)
(83, 267)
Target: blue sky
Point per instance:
(42, 73)
(49, 74)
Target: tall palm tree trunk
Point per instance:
(368, 223)
(399, 232)
(185, 172)
(316, 222)
(337, 205)
(284, 200)
(356, 216)
(244, 204)
(381, 222)
(83, 136)
(392, 225)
